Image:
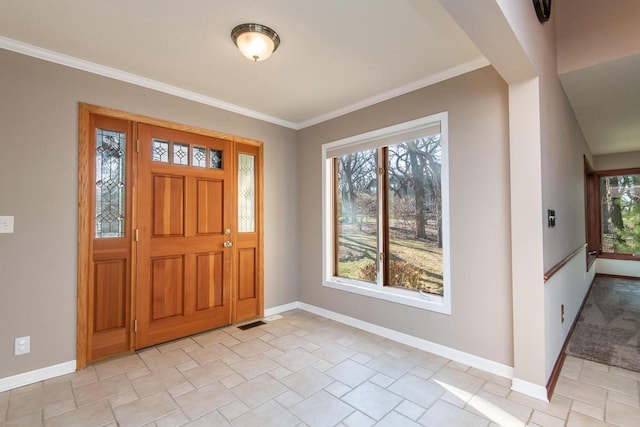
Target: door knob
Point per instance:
(227, 244)
(227, 231)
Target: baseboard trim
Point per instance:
(557, 368)
(481, 363)
(281, 308)
(34, 376)
(617, 276)
(412, 341)
(530, 389)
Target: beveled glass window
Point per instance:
(180, 154)
(110, 184)
(246, 193)
(215, 159)
(199, 157)
(160, 151)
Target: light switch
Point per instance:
(551, 218)
(6, 224)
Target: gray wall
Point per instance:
(481, 319)
(38, 185)
(563, 150)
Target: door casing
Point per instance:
(239, 310)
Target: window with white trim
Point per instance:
(385, 212)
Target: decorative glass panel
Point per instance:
(415, 215)
(199, 157)
(110, 183)
(180, 153)
(160, 151)
(215, 159)
(246, 193)
(357, 216)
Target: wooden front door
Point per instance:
(170, 231)
(185, 229)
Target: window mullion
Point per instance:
(334, 185)
(383, 247)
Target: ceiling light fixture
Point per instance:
(257, 42)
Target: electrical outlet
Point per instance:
(23, 345)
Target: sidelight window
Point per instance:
(110, 184)
(246, 193)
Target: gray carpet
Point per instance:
(608, 330)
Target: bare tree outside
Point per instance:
(357, 213)
(620, 214)
(414, 216)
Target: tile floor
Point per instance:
(304, 369)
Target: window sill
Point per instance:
(400, 296)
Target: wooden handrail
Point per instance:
(553, 270)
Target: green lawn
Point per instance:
(419, 259)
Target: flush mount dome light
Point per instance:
(257, 42)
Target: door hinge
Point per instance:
(137, 145)
(136, 235)
(381, 256)
(135, 326)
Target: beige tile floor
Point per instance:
(304, 369)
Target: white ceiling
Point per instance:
(606, 100)
(335, 56)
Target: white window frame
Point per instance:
(440, 304)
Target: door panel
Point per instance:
(210, 281)
(168, 205)
(110, 290)
(210, 206)
(167, 287)
(246, 274)
(185, 204)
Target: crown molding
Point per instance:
(124, 76)
(114, 73)
(418, 84)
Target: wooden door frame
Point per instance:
(85, 221)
